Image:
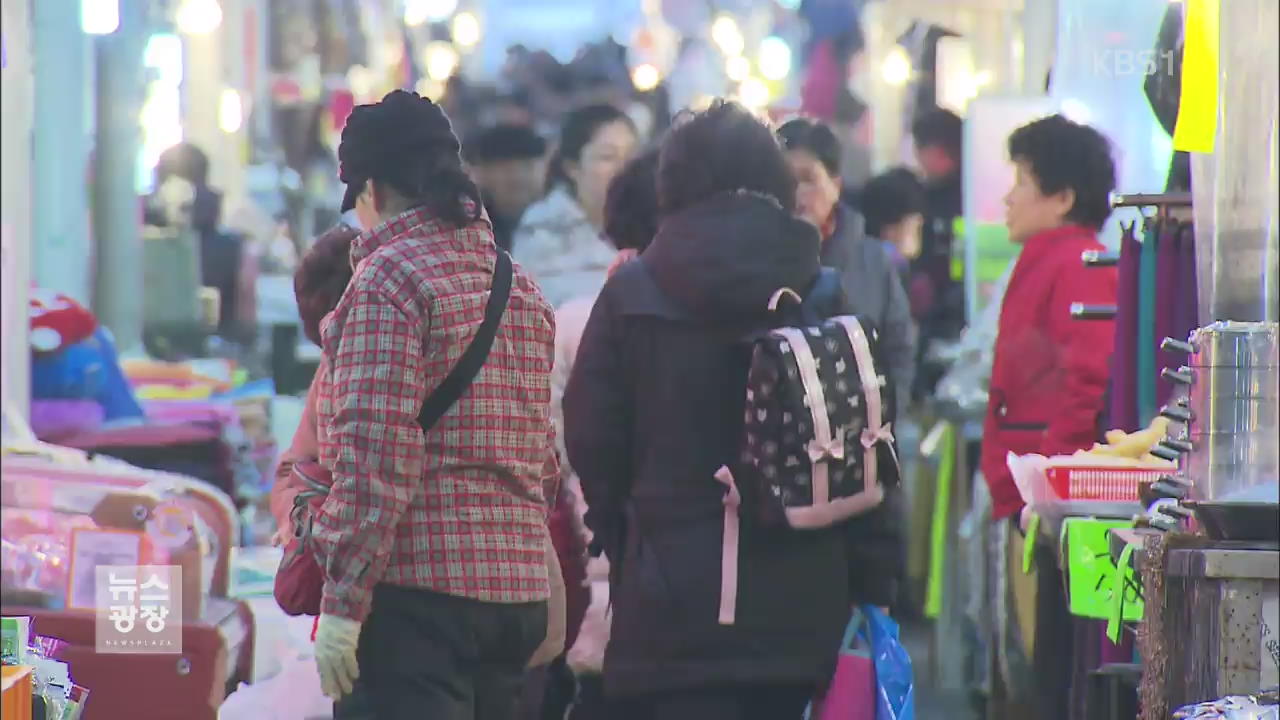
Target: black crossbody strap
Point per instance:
(473, 358)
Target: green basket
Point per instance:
(1097, 587)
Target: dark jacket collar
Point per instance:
(723, 259)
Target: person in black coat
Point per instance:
(654, 407)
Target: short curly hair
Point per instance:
(631, 204)
(1065, 155)
(322, 277)
(888, 198)
(722, 149)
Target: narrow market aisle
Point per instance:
(932, 703)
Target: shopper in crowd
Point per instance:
(654, 406)
(893, 206)
(227, 262)
(630, 222)
(432, 543)
(559, 238)
(318, 284)
(1050, 371)
(506, 161)
(872, 287)
(939, 138)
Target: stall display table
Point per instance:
(1218, 620)
(1223, 594)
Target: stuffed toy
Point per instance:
(57, 321)
(86, 370)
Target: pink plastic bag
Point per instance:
(852, 694)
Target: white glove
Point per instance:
(336, 640)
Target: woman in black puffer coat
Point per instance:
(654, 408)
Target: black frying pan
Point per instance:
(1237, 520)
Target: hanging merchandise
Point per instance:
(1197, 125)
(1123, 410)
(1146, 322)
(1156, 299)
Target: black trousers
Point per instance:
(756, 702)
(427, 655)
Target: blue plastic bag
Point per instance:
(895, 684)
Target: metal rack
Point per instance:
(1164, 203)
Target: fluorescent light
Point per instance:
(726, 34)
(896, 70)
(198, 17)
(440, 59)
(417, 12)
(163, 54)
(99, 17)
(645, 77)
(230, 111)
(466, 30)
(754, 93)
(775, 58)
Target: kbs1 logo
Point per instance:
(1127, 63)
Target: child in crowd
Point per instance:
(893, 205)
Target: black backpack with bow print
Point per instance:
(817, 444)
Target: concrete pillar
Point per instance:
(117, 207)
(15, 203)
(201, 91)
(62, 247)
(1039, 44)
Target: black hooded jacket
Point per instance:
(653, 409)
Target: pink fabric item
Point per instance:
(853, 689)
(190, 411)
(149, 435)
(53, 419)
(305, 447)
(729, 549)
(821, 84)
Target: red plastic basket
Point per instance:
(1100, 483)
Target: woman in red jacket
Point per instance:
(1050, 370)
(1048, 377)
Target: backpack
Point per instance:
(816, 428)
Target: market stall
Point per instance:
(1195, 576)
(74, 522)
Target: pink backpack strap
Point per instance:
(826, 445)
(729, 548)
(876, 430)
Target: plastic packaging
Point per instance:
(895, 682)
(873, 670)
(15, 636)
(1229, 708)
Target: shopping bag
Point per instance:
(895, 685)
(852, 693)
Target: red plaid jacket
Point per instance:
(462, 511)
